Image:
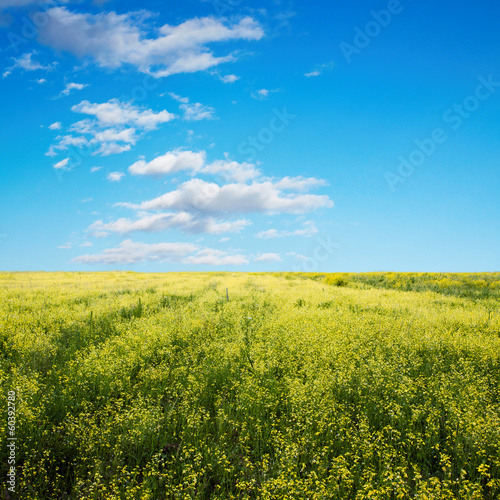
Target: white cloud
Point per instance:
(95, 169)
(115, 176)
(199, 196)
(112, 149)
(115, 127)
(178, 98)
(61, 165)
(26, 63)
(270, 233)
(169, 163)
(262, 94)
(99, 234)
(307, 231)
(66, 246)
(197, 111)
(268, 257)
(130, 252)
(87, 200)
(193, 111)
(321, 68)
(108, 135)
(198, 206)
(184, 221)
(179, 160)
(116, 113)
(297, 255)
(232, 170)
(86, 244)
(41, 81)
(73, 86)
(300, 183)
(112, 40)
(211, 257)
(229, 78)
(66, 141)
(55, 126)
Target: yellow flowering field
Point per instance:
(258, 386)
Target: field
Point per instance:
(265, 386)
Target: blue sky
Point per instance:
(250, 135)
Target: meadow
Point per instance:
(251, 385)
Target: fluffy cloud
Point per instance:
(268, 257)
(197, 111)
(232, 170)
(307, 231)
(198, 206)
(27, 63)
(169, 163)
(211, 257)
(189, 161)
(55, 126)
(262, 94)
(130, 252)
(73, 86)
(197, 195)
(193, 111)
(115, 112)
(115, 126)
(112, 40)
(297, 255)
(153, 223)
(62, 165)
(115, 176)
(318, 70)
(299, 183)
(229, 78)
